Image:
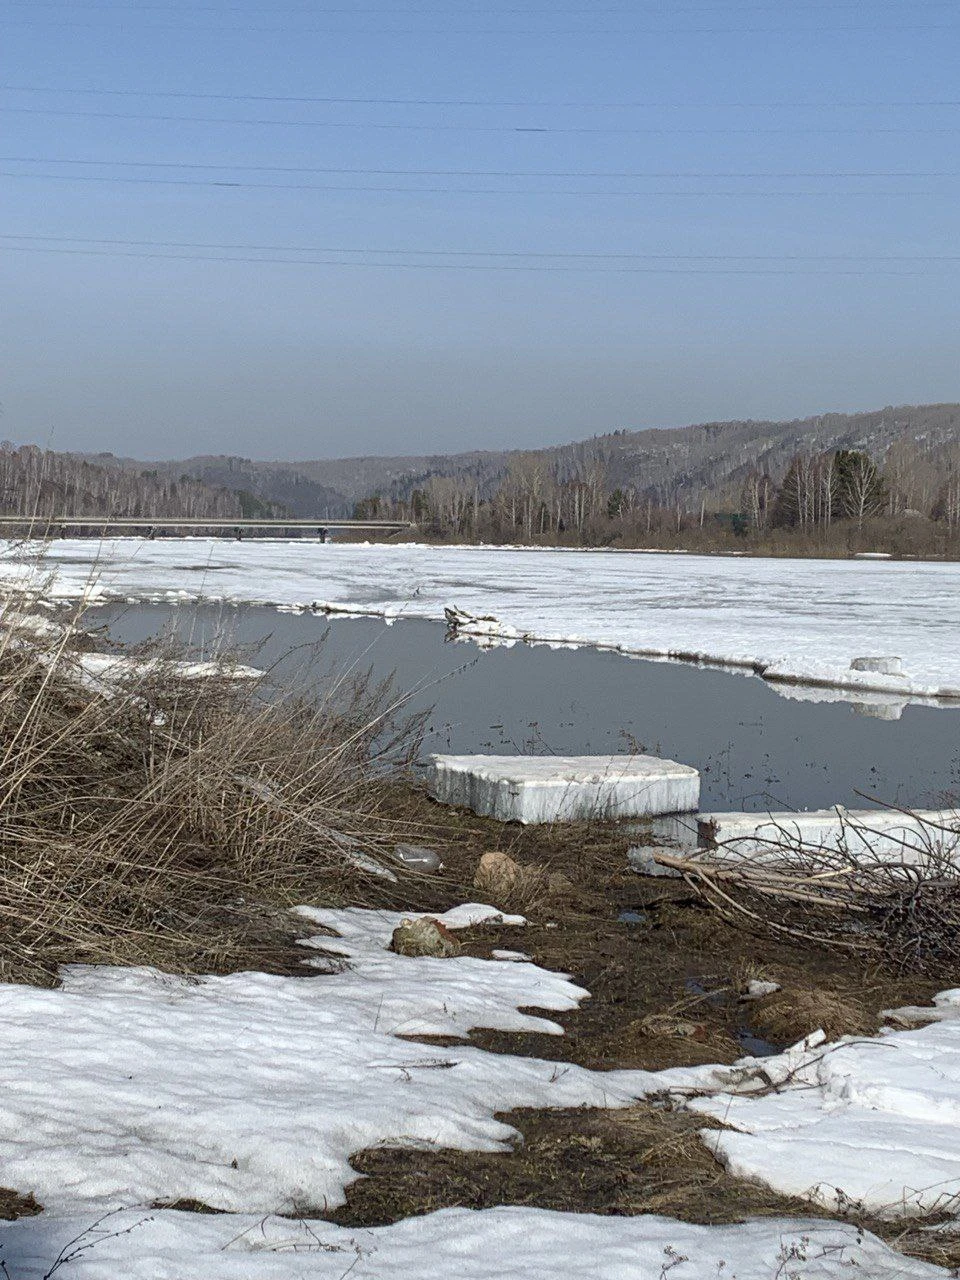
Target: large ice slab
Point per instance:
(881, 833)
(564, 788)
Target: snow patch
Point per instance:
(869, 1123)
(250, 1092)
(493, 1244)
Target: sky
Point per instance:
(291, 230)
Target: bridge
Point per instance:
(152, 527)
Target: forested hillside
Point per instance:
(40, 483)
(892, 476)
(690, 466)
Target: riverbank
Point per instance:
(217, 1055)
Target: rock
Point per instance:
(668, 1024)
(497, 875)
(508, 883)
(424, 937)
(418, 858)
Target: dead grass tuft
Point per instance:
(147, 815)
(795, 1012)
(529, 888)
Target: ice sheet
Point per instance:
(801, 619)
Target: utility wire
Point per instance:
(476, 11)
(465, 191)
(510, 32)
(486, 253)
(456, 191)
(397, 126)
(497, 173)
(844, 104)
(464, 266)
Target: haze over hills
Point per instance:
(707, 462)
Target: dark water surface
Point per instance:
(756, 749)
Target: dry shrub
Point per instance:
(889, 896)
(148, 816)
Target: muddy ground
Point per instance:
(665, 974)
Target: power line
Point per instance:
(474, 11)
(844, 104)
(872, 29)
(591, 255)
(462, 266)
(490, 191)
(495, 173)
(398, 126)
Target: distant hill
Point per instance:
(710, 460)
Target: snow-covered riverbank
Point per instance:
(128, 1088)
(795, 620)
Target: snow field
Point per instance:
(128, 1087)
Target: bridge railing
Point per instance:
(66, 526)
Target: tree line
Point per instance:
(908, 501)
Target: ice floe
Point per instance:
(563, 788)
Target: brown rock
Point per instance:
(497, 875)
(424, 937)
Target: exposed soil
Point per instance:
(14, 1205)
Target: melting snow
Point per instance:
(495, 1244)
(868, 1122)
(250, 1092)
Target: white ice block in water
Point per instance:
(883, 834)
(564, 788)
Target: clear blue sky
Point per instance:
(775, 295)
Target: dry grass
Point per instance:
(148, 817)
(795, 1012)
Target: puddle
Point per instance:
(713, 991)
(634, 917)
(755, 1046)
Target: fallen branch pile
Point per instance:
(901, 910)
